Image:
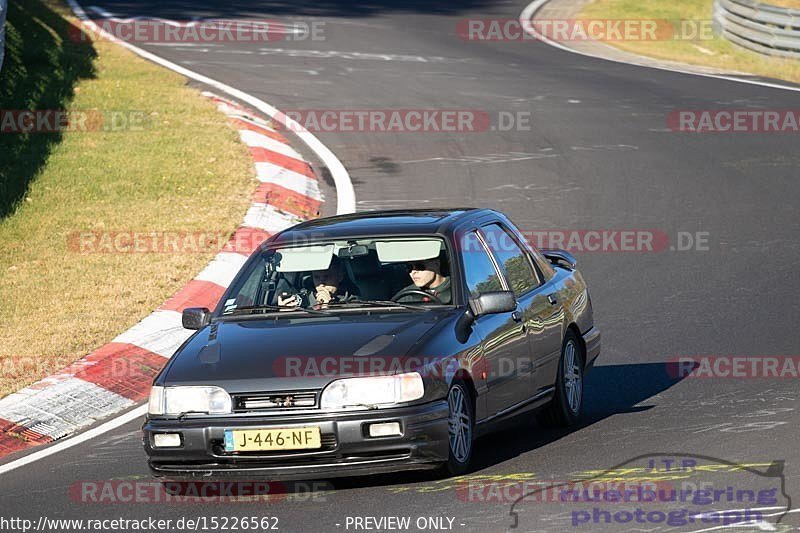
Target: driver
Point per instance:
(427, 277)
(331, 285)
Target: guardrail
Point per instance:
(3, 9)
(759, 27)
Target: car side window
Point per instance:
(248, 293)
(479, 270)
(515, 263)
(542, 264)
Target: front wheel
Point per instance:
(565, 406)
(460, 425)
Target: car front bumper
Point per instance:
(346, 449)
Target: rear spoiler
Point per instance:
(559, 256)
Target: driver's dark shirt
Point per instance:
(441, 291)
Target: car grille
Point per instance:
(275, 401)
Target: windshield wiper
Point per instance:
(253, 309)
(381, 303)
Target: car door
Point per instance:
(505, 344)
(522, 278)
(548, 331)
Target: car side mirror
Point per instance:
(557, 256)
(490, 303)
(195, 317)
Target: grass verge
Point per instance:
(714, 52)
(791, 4)
(163, 160)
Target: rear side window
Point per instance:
(515, 263)
(479, 271)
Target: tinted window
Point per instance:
(479, 270)
(248, 293)
(512, 259)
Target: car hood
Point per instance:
(296, 353)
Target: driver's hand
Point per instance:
(289, 301)
(323, 296)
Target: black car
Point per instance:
(372, 342)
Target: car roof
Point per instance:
(387, 222)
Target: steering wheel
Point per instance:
(418, 292)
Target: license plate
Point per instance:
(265, 440)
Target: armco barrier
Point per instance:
(762, 28)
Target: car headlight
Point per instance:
(372, 391)
(179, 400)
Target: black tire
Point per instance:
(565, 407)
(459, 459)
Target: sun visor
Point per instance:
(401, 251)
(305, 258)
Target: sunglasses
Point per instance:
(419, 265)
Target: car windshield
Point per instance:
(409, 273)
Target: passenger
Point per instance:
(427, 277)
(331, 285)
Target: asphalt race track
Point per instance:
(598, 155)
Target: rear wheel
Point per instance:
(567, 401)
(460, 425)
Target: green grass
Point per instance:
(40, 70)
(715, 52)
(183, 170)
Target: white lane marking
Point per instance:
(160, 332)
(345, 194)
(258, 26)
(245, 117)
(61, 408)
(346, 203)
(184, 45)
(223, 268)
(114, 423)
(100, 11)
(257, 140)
(266, 217)
(531, 9)
(288, 179)
(369, 56)
(604, 147)
(486, 159)
(110, 16)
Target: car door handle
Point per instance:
(552, 299)
(516, 316)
